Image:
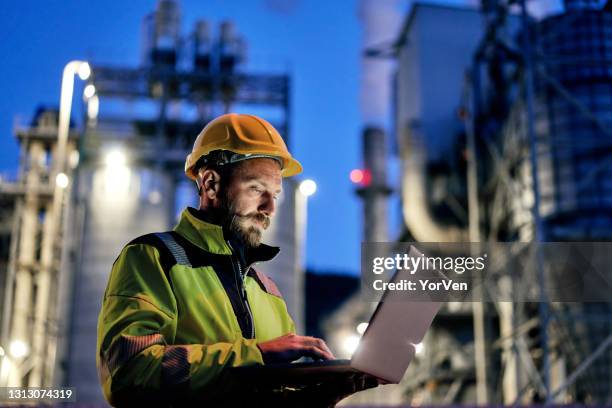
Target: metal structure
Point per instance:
(31, 323)
(433, 49)
(535, 151)
(552, 150)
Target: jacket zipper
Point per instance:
(242, 290)
(245, 299)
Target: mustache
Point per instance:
(262, 218)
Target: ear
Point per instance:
(208, 182)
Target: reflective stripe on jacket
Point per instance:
(175, 315)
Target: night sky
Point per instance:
(318, 41)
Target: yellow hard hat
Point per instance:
(246, 135)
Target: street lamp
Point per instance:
(301, 192)
(308, 187)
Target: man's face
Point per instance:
(250, 198)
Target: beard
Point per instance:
(242, 224)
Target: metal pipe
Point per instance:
(581, 368)
(8, 292)
(63, 127)
(53, 216)
(41, 307)
(538, 224)
(21, 310)
(416, 209)
(480, 349)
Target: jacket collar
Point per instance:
(211, 238)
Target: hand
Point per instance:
(291, 347)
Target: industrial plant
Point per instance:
(503, 132)
(501, 123)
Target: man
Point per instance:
(183, 307)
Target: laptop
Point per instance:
(385, 350)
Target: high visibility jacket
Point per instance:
(178, 311)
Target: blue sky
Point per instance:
(319, 41)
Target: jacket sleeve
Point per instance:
(137, 359)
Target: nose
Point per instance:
(268, 205)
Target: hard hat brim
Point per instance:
(291, 167)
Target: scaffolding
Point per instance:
(540, 130)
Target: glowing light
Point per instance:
(350, 343)
(419, 348)
(18, 349)
(1, 352)
(356, 176)
(117, 174)
(308, 187)
(155, 197)
(84, 71)
(89, 91)
(362, 177)
(73, 159)
(361, 327)
(115, 158)
(454, 306)
(93, 107)
(62, 180)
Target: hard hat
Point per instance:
(248, 136)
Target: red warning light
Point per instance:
(367, 178)
(362, 177)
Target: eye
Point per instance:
(256, 190)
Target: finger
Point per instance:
(315, 352)
(327, 354)
(324, 354)
(323, 345)
(320, 345)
